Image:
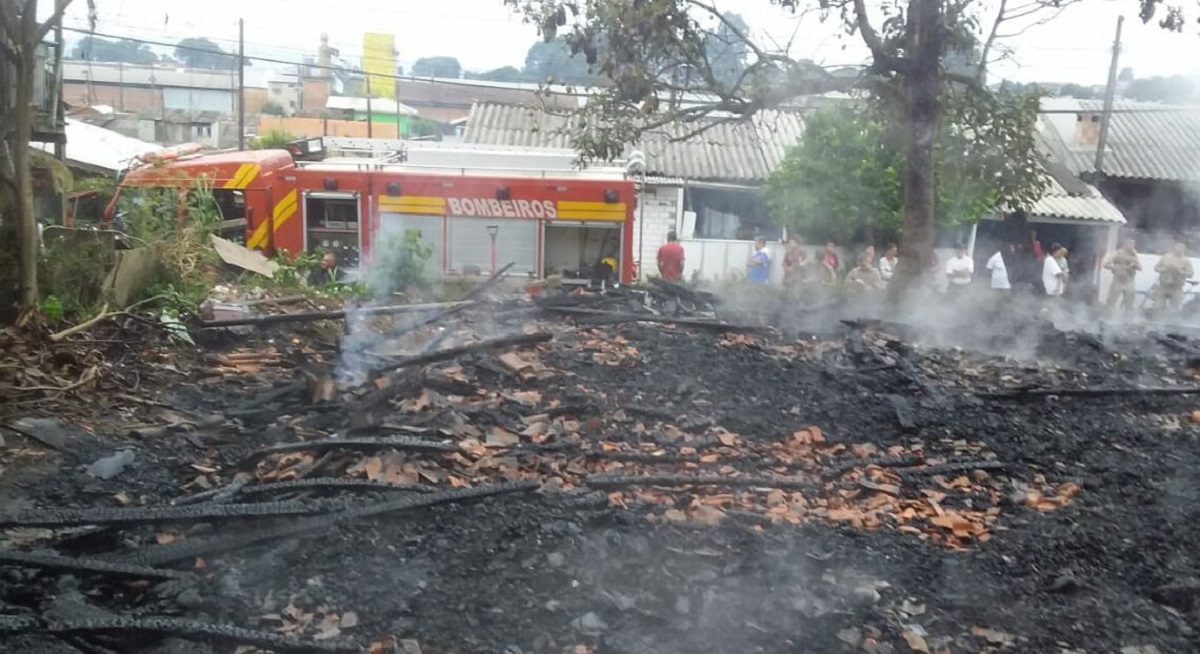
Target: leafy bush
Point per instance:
(272, 109)
(72, 269)
(275, 139)
(399, 264)
(52, 308)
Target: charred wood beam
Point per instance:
(519, 340)
(401, 443)
(309, 316)
(1032, 393)
(162, 554)
(216, 495)
(327, 483)
(885, 462)
(593, 316)
(610, 481)
(254, 404)
(492, 281)
(157, 514)
(953, 468)
(191, 630)
(59, 563)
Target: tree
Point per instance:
(91, 48)
(557, 62)
(437, 67)
(653, 54)
(199, 52)
(272, 109)
(1077, 91)
(1176, 89)
(842, 181)
(504, 74)
(20, 37)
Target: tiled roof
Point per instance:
(739, 152)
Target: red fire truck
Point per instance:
(544, 221)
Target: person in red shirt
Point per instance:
(670, 259)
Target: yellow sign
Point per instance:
(379, 64)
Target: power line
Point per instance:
(272, 60)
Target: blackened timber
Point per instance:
(611, 317)
(50, 561)
(197, 630)
(519, 340)
(400, 443)
(335, 484)
(1031, 393)
(189, 549)
(156, 514)
(607, 481)
(953, 468)
(309, 316)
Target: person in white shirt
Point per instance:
(1053, 277)
(999, 271)
(959, 270)
(887, 263)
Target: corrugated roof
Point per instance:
(1058, 202)
(744, 151)
(1145, 140)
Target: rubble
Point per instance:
(616, 471)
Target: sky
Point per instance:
(486, 34)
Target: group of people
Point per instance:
(1009, 268)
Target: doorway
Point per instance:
(583, 251)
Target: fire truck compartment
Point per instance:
(575, 250)
(331, 222)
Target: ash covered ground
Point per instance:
(660, 487)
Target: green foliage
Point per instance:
(503, 74)
(293, 272)
(52, 308)
(199, 52)
(399, 264)
(177, 225)
(418, 127)
(72, 269)
(92, 48)
(558, 62)
(272, 109)
(842, 181)
(275, 139)
(437, 67)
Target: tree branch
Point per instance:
(987, 45)
(60, 6)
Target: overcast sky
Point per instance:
(484, 34)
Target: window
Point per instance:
(731, 214)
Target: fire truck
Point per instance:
(473, 218)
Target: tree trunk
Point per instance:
(921, 112)
(26, 222)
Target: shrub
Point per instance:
(399, 264)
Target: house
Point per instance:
(707, 186)
(1150, 170)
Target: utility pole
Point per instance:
(1110, 92)
(241, 98)
(370, 117)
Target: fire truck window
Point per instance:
(471, 250)
(574, 250)
(232, 207)
(428, 229)
(332, 225)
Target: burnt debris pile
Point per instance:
(624, 470)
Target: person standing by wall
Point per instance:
(758, 269)
(1174, 269)
(670, 259)
(959, 271)
(1124, 265)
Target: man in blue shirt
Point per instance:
(758, 270)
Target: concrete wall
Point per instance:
(661, 215)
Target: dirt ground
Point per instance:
(845, 488)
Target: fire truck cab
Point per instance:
(578, 224)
